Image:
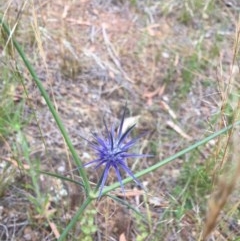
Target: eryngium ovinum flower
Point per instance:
(112, 151)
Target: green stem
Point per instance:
(169, 159)
(75, 218)
(51, 107)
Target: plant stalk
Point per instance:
(75, 218)
(50, 106)
(169, 159)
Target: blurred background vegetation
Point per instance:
(176, 63)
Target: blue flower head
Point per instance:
(112, 151)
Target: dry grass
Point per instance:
(230, 157)
(170, 62)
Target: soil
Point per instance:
(93, 57)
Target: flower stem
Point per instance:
(75, 218)
(171, 158)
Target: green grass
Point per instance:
(195, 9)
(189, 192)
(11, 112)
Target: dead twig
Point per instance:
(178, 130)
(113, 54)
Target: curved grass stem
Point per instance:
(171, 158)
(50, 106)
